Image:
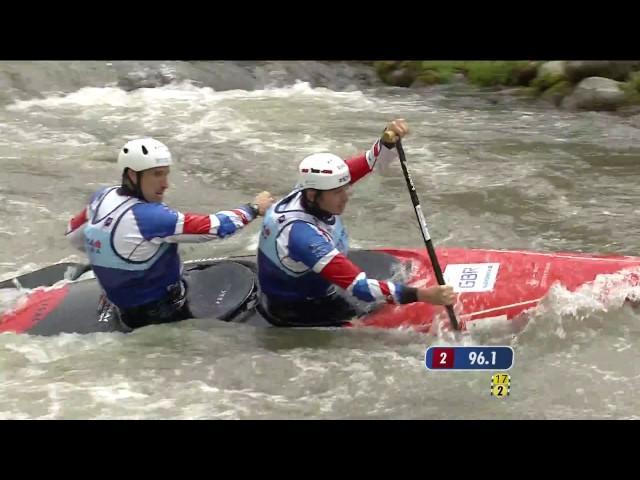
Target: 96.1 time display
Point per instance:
(469, 358)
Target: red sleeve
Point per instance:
(77, 221)
(346, 275)
(361, 165)
(195, 224)
(340, 271)
(358, 167)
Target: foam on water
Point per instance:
(185, 93)
(563, 313)
(186, 113)
(488, 175)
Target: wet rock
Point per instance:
(548, 74)
(403, 77)
(616, 70)
(145, 77)
(596, 93)
(526, 74)
(555, 68)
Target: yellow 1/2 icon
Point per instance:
(500, 385)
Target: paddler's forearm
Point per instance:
(361, 165)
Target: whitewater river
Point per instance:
(492, 171)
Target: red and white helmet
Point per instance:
(144, 153)
(323, 171)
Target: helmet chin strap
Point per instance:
(136, 191)
(312, 207)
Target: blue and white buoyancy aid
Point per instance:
(282, 272)
(132, 270)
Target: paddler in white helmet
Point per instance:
(302, 253)
(131, 237)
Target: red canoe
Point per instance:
(495, 288)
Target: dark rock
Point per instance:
(402, 77)
(524, 75)
(616, 70)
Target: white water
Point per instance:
(495, 175)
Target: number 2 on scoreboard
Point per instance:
(443, 357)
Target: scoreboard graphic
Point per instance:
(469, 358)
(475, 358)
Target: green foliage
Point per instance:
(632, 89)
(481, 73)
(558, 91)
(490, 73)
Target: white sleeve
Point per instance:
(380, 157)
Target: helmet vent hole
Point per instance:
(125, 150)
(144, 150)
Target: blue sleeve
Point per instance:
(227, 227)
(155, 220)
(307, 245)
(230, 220)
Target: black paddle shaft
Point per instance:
(423, 228)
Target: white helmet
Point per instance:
(144, 153)
(323, 171)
